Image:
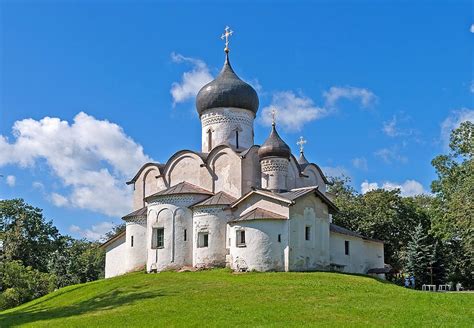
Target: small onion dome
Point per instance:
(227, 90)
(302, 159)
(274, 146)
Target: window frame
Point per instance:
(131, 241)
(203, 239)
(160, 231)
(347, 248)
(239, 241)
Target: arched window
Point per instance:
(209, 140)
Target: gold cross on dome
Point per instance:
(301, 143)
(227, 33)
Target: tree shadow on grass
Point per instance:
(101, 302)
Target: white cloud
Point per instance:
(360, 163)
(38, 185)
(392, 128)
(191, 81)
(292, 111)
(11, 180)
(407, 188)
(334, 171)
(453, 121)
(368, 186)
(96, 232)
(472, 28)
(59, 200)
(334, 94)
(90, 157)
(390, 155)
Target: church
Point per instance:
(234, 203)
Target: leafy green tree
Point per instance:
(454, 205)
(77, 261)
(116, 229)
(21, 284)
(27, 236)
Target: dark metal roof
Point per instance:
(338, 229)
(296, 193)
(259, 214)
(181, 188)
(140, 212)
(112, 239)
(274, 146)
(227, 90)
(221, 198)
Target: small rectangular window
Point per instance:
(131, 241)
(240, 238)
(307, 233)
(279, 238)
(203, 239)
(158, 240)
(346, 247)
(185, 235)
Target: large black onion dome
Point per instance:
(227, 90)
(274, 146)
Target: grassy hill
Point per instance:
(220, 298)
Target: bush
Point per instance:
(22, 284)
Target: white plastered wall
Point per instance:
(136, 254)
(262, 250)
(115, 257)
(313, 254)
(363, 254)
(171, 213)
(226, 166)
(211, 220)
(188, 166)
(223, 124)
(251, 171)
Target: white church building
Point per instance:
(234, 203)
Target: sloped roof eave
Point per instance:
(112, 239)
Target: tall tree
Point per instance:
(419, 257)
(454, 207)
(27, 236)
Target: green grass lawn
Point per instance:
(220, 298)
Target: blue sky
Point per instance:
(374, 87)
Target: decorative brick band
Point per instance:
(274, 165)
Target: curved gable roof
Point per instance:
(159, 166)
(316, 166)
(202, 156)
